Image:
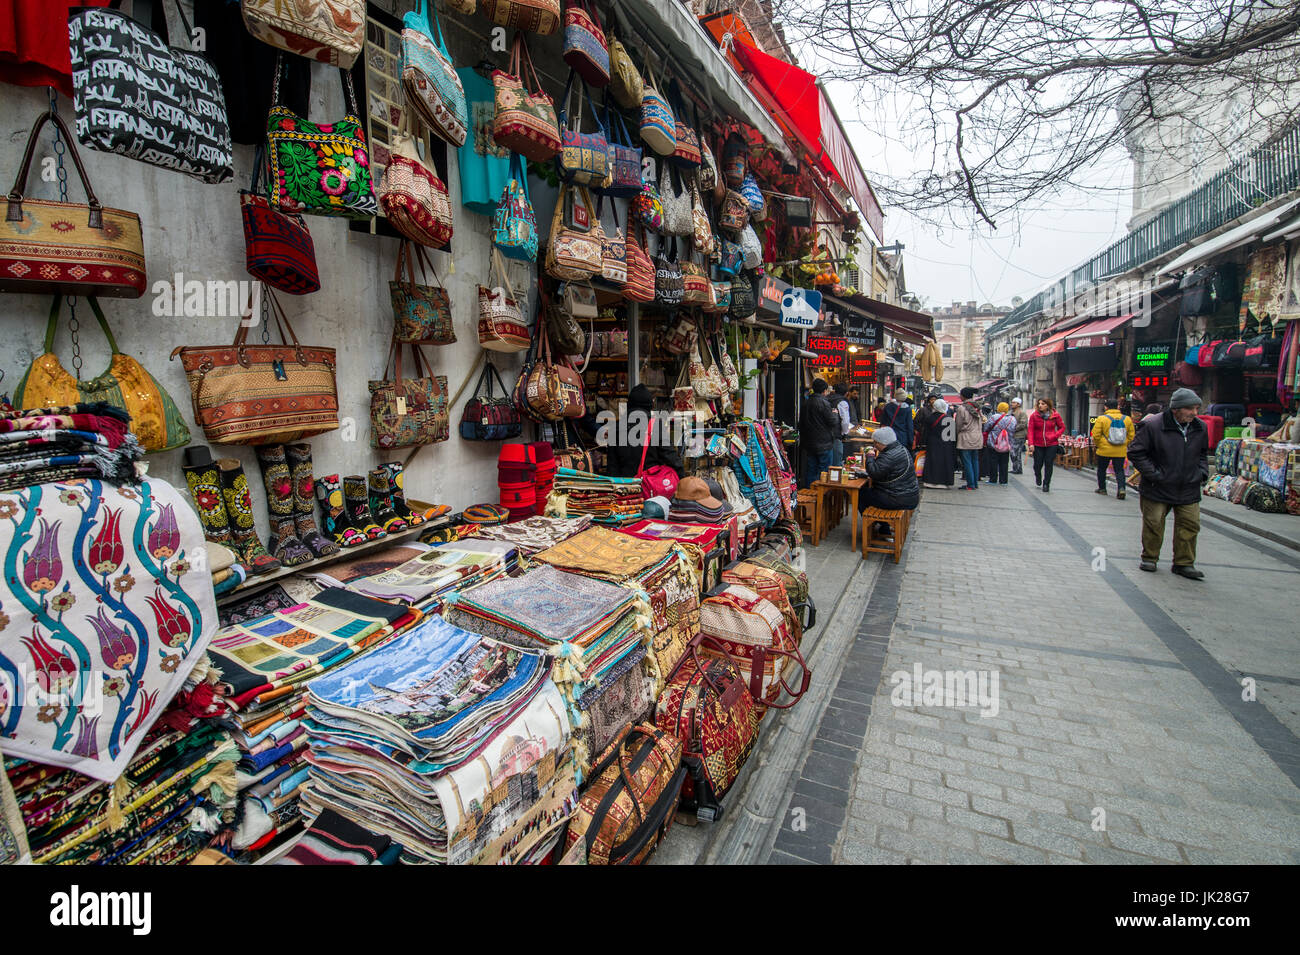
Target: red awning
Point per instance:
(1095, 334)
(1051, 345)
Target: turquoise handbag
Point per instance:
(514, 225)
(432, 87)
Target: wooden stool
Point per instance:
(873, 543)
(804, 504)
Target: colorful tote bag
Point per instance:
(332, 31)
(501, 325)
(535, 16)
(319, 168)
(574, 251)
(640, 284)
(408, 412)
(585, 49)
(429, 80)
(421, 312)
(658, 125)
(278, 247)
(625, 173)
(525, 120)
(613, 257)
(584, 157)
(514, 225)
(413, 198)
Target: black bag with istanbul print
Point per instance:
(138, 97)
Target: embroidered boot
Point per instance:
(239, 506)
(204, 482)
(304, 501)
(337, 522)
(283, 542)
(381, 501)
(396, 482)
(356, 497)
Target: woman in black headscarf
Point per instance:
(940, 447)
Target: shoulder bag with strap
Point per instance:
(501, 325)
(421, 312)
(488, 416)
(408, 412)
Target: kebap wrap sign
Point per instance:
(830, 352)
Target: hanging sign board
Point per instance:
(863, 332)
(1154, 357)
(830, 352)
(800, 308)
(862, 367)
(769, 293)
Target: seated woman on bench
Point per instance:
(893, 476)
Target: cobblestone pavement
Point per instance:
(1121, 733)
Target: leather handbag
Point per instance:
(574, 250)
(278, 247)
(331, 31)
(658, 125)
(734, 212)
(514, 224)
(553, 389)
(566, 334)
(138, 97)
(69, 248)
(676, 201)
(613, 255)
(584, 157)
(534, 16)
(262, 393)
(670, 289)
(319, 169)
(707, 705)
(408, 412)
(413, 198)
(640, 285)
(630, 799)
(525, 121)
(501, 325)
(585, 49)
(155, 420)
(433, 90)
(421, 312)
(754, 635)
(625, 158)
(488, 416)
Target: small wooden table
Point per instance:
(850, 488)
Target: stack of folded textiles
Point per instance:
(450, 743)
(598, 633)
(45, 445)
(608, 500)
(535, 533)
(332, 840)
(427, 579)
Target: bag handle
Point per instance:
(494, 374)
(15, 214)
(498, 263)
(524, 59)
(53, 324)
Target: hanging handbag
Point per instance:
(624, 78)
(686, 148)
(706, 379)
(734, 213)
(332, 31)
(613, 252)
(640, 285)
(569, 450)
(647, 208)
(701, 228)
(625, 158)
(138, 97)
(69, 248)
(707, 177)
(677, 340)
(753, 197)
(524, 121)
(721, 299)
(751, 249)
(408, 412)
(501, 325)
(155, 420)
(742, 298)
(658, 125)
(278, 248)
(319, 169)
(577, 301)
(676, 202)
(421, 312)
(488, 416)
(432, 88)
(262, 393)
(412, 197)
(584, 157)
(734, 161)
(731, 258)
(669, 286)
(696, 289)
(726, 366)
(514, 224)
(585, 49)
(553, 389)
(683, 391)
(573, 252)
(535, 16)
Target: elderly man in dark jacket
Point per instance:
(1170, 454)
(893, 476)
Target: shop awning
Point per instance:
(902, 323)
(1095, 333)
(1050, 345)
(1239, 236)
(989, 383)
(1288, 230)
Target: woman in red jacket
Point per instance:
(1045, 430)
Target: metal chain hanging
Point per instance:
(61, 171)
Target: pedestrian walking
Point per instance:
(1045, 430)
(1154, 410)
(1170, 453)
(878, 413)
(986, 453)
(1112, 433)
(970, 437)
(1018, 439)
(892, 475)
(839, 401)
(898, 415)
(940, 447)
(998, 431)
(818, 426)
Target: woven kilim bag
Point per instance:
(487, 415)
(421, 312)
(332, 31)
(535, 16)
(413, 198)
(278, 247)
(429, 80)
(768, 584)
(525, 121)
(754, 634)
(514, 224)
(658, 125)
(408, 412)
(630, 799)
(585, 49)
(501, 325)
(640, 286)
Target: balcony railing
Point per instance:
(1266, 172)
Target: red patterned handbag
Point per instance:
(278, 248)
(524, 121)
(756, 636)
(585, 49)
(706, 704)
(413, 198)
(640, 286)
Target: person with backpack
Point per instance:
(1112, 433)
(1045, 429)
(999, 432)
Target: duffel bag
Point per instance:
(768, 584)
(707, 705)
(628, 805)
(796, 582)
(1267, 500)
(754, 633)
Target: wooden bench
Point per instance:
(805, 506)
(875, 543)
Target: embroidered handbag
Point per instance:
(630, 799)
(514, 224)
(726, 365)
(319, 169)
(676, 202)
(553, 389)
(408, 412)
(707, 177)
(731, 258)
(669, 286)
(501, 325)
(647, 208)
(751, 249)
(706, 704)
(331, 31)
(535, 16)
(488, 416)
(753, 197)
(686, 150)
(640, 286)
(574, 250)
(68, 248)
(584, 157)
(734, 161)
(625, 158)
(413, 198)
(624, 78)
(421, 313)
(432, 88)
(677, 340)
(155, 420)
(262, 393)
(658, 125)
(721, 299)
(701, 228)
(683, 392)
(734, 213)
(524, 121)
(278, 248)
(584, 43)
(705, 379)
(754, 634)
(138, 97)
(613, 253)
(696, 289)
(742, 298)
